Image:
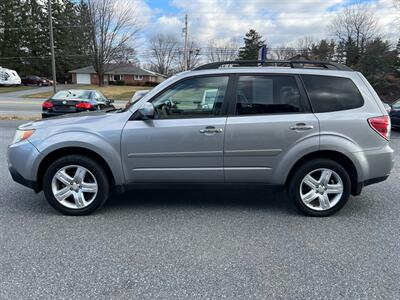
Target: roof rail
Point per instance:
(294, 64)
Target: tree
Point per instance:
(222, 51)
(378, 60)
(163, 53)
(304, 46)
(252, 43)
(285, 52)
(324, 50)
(193, 57)
(112, 28)
(354, 28)
(10, 37)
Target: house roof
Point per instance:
(122, 69)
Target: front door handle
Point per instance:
(301, 126)
(211, 130)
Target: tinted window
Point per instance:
(267, 95)
(328, 93)
(192, 98)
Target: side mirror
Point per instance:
(147, 111)
(111, 100)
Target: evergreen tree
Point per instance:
(324, 50)
(10, 34)
(252, 43)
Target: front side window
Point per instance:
(192, 98)
(267, 94)
(329, 93)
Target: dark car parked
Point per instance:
(395, 114)
(34, 80)
(73, 101)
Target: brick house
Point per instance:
(127, 73)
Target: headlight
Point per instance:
(21, 135)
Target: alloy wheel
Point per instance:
(74, 186)
(321, 189)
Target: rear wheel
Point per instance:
(320, 187)
(75, 185)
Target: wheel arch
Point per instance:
(336, 156)
(60, 152)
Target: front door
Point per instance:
(184, 141)
(271, 116)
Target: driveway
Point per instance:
(199, 244)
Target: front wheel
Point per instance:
(75, 185)
(320, 187)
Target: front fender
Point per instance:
(109, 150)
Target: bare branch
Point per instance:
(112, 27)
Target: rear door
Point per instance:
(270, 116)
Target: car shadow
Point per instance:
(201, 198)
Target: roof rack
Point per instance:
(294, 64)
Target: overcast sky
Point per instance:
(279, 22)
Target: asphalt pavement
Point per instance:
(199, 244)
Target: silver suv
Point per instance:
(316, 128)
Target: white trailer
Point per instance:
(9, 77)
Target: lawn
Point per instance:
(115, 92)
(9, 89)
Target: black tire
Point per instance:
(306, 168)
(94, 167)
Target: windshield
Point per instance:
(138, 95)
(72, 94)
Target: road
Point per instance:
(199, 244)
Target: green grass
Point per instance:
(115, 92)
(9, 89)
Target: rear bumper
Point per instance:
(375, 165)
(358, 188)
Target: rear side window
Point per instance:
(262, 94)
(329, 93)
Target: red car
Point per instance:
(34, 80)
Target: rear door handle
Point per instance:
(301, 126)
(211, 130)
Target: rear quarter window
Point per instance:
(330, 93)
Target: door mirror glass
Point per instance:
(147, 111)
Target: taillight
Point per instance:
(47, 104)
(381, 125)
(84, 105)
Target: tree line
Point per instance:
(97, 32)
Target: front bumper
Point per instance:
(23, 162)
(21, 180)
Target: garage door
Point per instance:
(83, 78)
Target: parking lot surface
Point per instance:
(199, 244)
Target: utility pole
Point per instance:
(185, 48)
(53, 59)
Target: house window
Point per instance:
(138, 77)
(117, 77)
